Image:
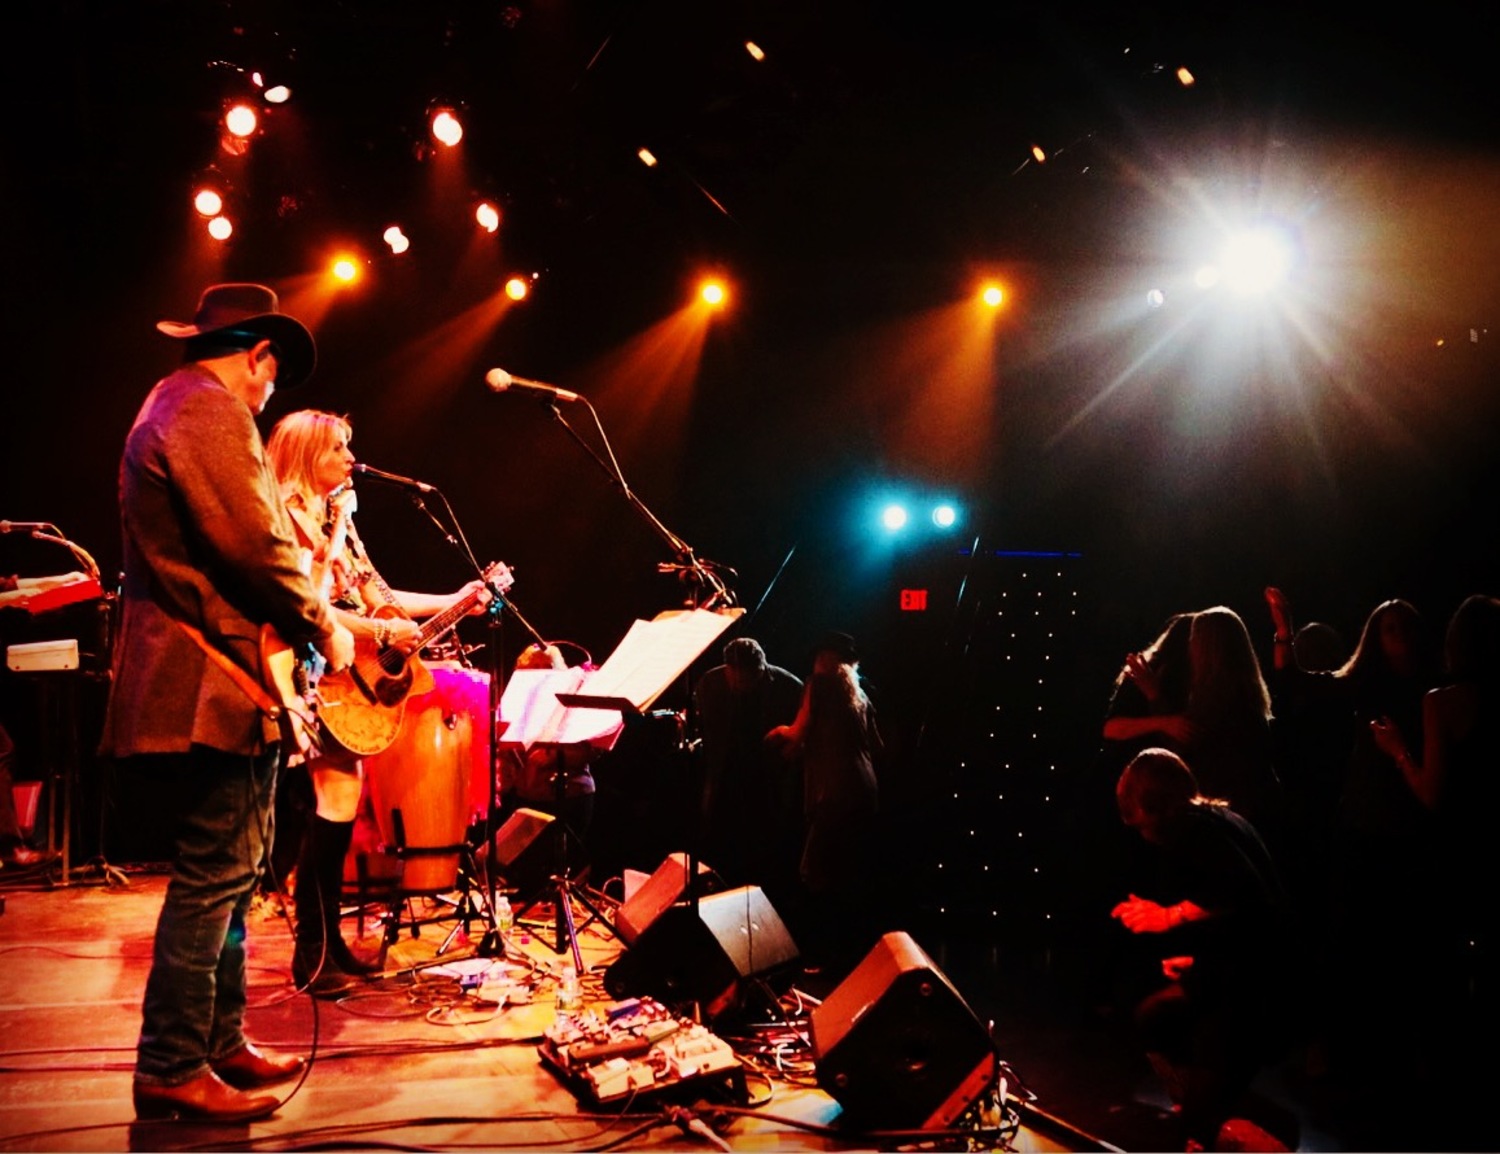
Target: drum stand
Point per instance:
(564, 889)
(466, 909)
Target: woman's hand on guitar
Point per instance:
(405, 634)
(497, 576)
(479, 591)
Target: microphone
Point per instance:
(394, 478)
(28, 527)
(500, 381)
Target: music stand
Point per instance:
(535, 717)
(651, 656)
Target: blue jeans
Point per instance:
(194, 1008)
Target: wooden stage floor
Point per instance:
(415, 1062)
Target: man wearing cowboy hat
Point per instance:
(209, 558)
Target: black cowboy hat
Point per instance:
(247, 310)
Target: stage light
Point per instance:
(1258, 260)
(893, 517)
(488, 216)
(518, 288)
(240, 121)
(208, 202)
(992, 295)
(1155, 299)
(345, 269)
(755, 50)
(446, 129)
(944, 516)
(713, 293)
(276, 94)
(648, 158)
(398, 241)
(1186, 78)
(220, 228)
(1038, 155)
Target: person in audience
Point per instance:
(1456, 776)
(1224, 724)
(1217, 920)
(1381, 851)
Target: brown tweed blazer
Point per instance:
(206, 541)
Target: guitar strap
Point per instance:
(251, 687)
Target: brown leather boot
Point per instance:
(205, 1097)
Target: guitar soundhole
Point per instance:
(392, 693)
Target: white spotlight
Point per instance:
(1257, 261)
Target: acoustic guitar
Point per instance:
(362, 707)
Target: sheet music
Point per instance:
(654, 653)
(532, 714)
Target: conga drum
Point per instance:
(424, 777)
(469, 690)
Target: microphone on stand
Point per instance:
(28, 527)
(394, 478)
(500, 381)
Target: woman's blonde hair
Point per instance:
(296, 443)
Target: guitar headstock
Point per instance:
(498, 576)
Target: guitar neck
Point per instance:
(439, 623)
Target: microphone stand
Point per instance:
(490, 945)
(700, 574)
(707, 590)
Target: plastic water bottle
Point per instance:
(569, 993)
(505, 919)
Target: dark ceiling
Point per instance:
(856, 179)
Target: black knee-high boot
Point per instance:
(317, 962)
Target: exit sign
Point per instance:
(913, 600)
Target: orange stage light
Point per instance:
(445, 127)
(241, 121)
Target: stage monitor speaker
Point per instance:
(523, 847)
(684, 957)
(897, 1046)
(656, 896)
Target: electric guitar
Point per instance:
(292, 679)
(292, 685)
(362, 707)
